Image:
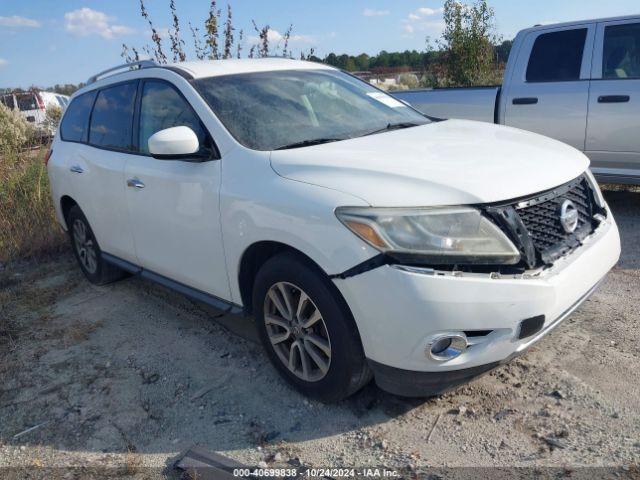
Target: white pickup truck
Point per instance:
(576, 82)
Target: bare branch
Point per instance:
(228, 35)
(239, 46)
(177, 44)
(263, 35)
(213, 31)
(287, 37)
(197, 42)
(158, 53)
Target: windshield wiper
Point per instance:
(309, 143)
(394, 126)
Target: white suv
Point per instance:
(366, 239)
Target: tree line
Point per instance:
(413, 59)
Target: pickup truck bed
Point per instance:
(473, 103)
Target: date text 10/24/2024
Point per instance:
(315, 473)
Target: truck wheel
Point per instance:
(87, 251)
(308, 330)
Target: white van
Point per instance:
(33, 105)
(365, 239)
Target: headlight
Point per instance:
(438, 236)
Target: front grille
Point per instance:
(535, 227)
(542, 220)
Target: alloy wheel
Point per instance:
(85, 246)
(297, 331)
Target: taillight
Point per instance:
(40, 101)
(47, 156)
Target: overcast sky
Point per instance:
(43, 42)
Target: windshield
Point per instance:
(296, 108)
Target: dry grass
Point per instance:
(132, 462)
(27, 221)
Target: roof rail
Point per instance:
(140, 65)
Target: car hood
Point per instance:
(445, 163)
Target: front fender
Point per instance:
(266, 207)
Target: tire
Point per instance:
(331, 374)
(87, 251)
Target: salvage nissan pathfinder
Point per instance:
(367, 240)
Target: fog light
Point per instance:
(447, 346)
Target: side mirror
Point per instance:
(176, 143)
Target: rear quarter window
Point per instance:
(75, 123)
(557, 56)
(7, 101)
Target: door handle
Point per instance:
(76, 169)
(614, 99)
(135, 183)
(525, 101)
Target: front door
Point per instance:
(549, 90)
(174, 204)
(613, 135)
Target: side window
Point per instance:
(621, 52)
(61, 101)
(163, 107)
(557, 56)
(75, 122)
(112, 117)
(7, 101)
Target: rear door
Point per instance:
(549, 91)
(613, 134)
(99, 168)
(31, 106)
(174, 204)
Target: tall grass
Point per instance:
(27, 221)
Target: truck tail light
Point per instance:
(40, 101)
(47, 156)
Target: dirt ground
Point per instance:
(127, 376)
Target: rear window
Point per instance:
(7, 101)
(621, 57)
(27, 102)
(76, 119)
(112, 117)
(557, 56)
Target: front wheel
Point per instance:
(308, 330)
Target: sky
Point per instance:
(44, 42)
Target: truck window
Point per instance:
(621, 53)
(76, 119)
(112, 117)
(7, 101)
(557, 56)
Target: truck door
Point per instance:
(613, 132)
(548, 90)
